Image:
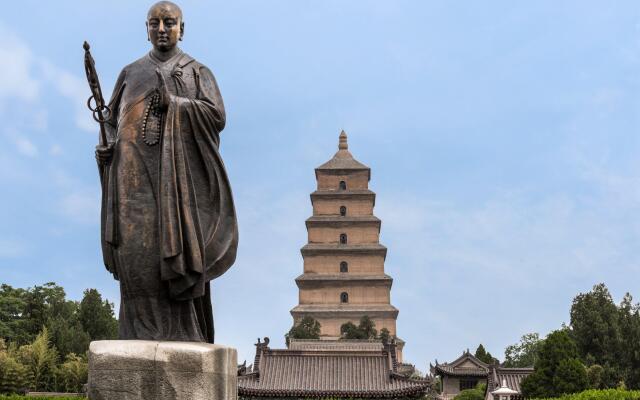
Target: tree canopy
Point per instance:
(524, 353)
(483, 355)
(307, 328)
(558, 369)
(70, 325)
(366, 329)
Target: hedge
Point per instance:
(608, 394)
(21, 397)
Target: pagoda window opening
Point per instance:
(343, 211)
(344, 297)
(343, 238)
(466, 384)
(344, 267)
(343, 185)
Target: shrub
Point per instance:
(608, 394)
(14, 377)
(72, 374)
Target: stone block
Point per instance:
(154, 370)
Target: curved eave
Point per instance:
(312, 249)
(345, 310)
(343, 195)
(318, 280)
(341, 222)
(342, 171)
(460, 372)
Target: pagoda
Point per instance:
(344, 277)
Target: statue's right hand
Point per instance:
(104, 154)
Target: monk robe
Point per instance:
(168, 219)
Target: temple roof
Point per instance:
(510, 377)
(346, 310)
(306, 371)
(333, 345)
(343, 159)
(465, 365)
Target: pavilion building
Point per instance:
(344, 277)
(467, 371)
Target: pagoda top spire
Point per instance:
(343, 159)
(342, 144)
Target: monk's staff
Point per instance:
(101, 111)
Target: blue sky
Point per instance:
(503, 139)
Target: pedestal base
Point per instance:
(150, 370)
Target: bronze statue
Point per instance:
(168, 219)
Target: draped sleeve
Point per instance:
(108, 231)
(198, 226)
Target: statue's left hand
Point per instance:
(164, 92)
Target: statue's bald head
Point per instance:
(165, 7)
(165, 26)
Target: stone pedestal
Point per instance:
(151, 370)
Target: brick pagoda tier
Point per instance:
(344, 276)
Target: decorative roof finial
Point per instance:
(342, 145)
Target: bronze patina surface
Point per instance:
(168, 219)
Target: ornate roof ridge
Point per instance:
(343, 159)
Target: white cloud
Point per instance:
(55, 150)
(74, 89)
(16, 64)
(26, 147)
(24, 75)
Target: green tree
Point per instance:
(96, 316)
(12, 317)
(557, 370)
(349, 330)
(483, 355)
(307, 328)
(628, 358)
(595, 374)
(570, 377)
(476, 393)
(595, 327)
(68, 336)
(41, 304)
(72, 374)
(384, 335)
(366, 329)
(40, 358)
(523, 353)
(14, 377)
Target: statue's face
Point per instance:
(164, 26)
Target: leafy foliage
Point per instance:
(524, 353)
(608, 335)
(72, 374)
(14, 377)
(44, 337)
(366, 329)
(557, 370)
(483, 355)
(96, 316)
(40, 358)
(307, 328)
(70, 324)
(609, 394)
(384, 335)
(476, 393)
